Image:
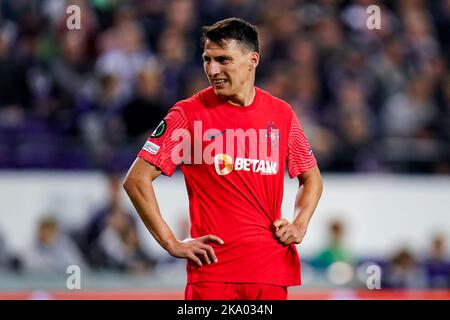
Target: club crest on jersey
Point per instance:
(273, 134)
(158, 132)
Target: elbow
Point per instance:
(126, 185)
(315, 181)
(319, 184)
(139, 177)
(130, 184)
(320, 187)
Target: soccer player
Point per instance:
(232, 142)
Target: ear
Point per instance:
(254, 60)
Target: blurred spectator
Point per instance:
(437, 264)
(87, 237)
(174, 52)
(100, 124)
(119, 245)
(74, 79)
(52, 250)
(324, 143)
(412, 112)
(444, 126)
(410, 126)
(109, 240)
(124, 52)
(145, 110)
(441, 15)
(388, 66)
(355, 125)
(403, 272)
(180, 16)
(8, 260)
(335, 251)
(14, 90)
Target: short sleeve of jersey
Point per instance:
(300, 157)
(162, 147)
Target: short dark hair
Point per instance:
(229, 29)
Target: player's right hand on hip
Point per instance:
(197, 250)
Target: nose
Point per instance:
(213, 68)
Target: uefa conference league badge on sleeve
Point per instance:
(158, 132)
(160, 129)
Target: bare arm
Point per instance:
(139, 186)
(307, 198)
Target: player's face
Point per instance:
(230, 69)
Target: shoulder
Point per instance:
(198, 101)
(276, 103)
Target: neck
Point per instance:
(243, 98)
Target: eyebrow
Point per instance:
(204, 55)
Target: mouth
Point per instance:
(218, 82)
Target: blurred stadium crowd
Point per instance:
(370, 100)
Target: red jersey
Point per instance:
(233, 159)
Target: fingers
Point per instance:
(286, 232)
(203, 255)
(211, 253)
(194, 258)
(210, 238)
(281, 231)
(198, 256)
(289, 240)
(279, 223)
(206, 254)
(286, 237)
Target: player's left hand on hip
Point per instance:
(287, 232)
